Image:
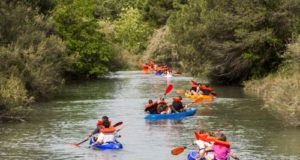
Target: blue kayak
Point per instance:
(179, 115)
(192, 155)
(111, 145)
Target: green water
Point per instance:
(253, 132)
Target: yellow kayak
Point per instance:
(199, 98)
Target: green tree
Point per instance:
(75, 23)
(233, 40)
(158, 12)
(131, 30)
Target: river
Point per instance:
(253, 132)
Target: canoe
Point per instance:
(106, 146)
(179, 115)
(199, 97)
(192, 155)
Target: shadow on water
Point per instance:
(253, 132)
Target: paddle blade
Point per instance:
(169, 88)
(194, 82)
(117, 124)
(75, 145)
(180, 91)
(178, 150)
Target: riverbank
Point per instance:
(281, 91)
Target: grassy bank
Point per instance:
(281, 91)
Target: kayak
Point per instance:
(199, 97)
(111, 145)
(179, 115)
(192, 155)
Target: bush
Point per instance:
(32, 59)
(281, 91)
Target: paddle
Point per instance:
(87, 138)
(194, 82)
(118, 130)
(168, 89)
(179, 149)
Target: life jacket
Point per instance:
(150, 105)
(211, 139)
(145, 66)
(162, 107)
(201, 136)
(100, 122)
(162, 102)
(176, 99)
(206, 88)
(158, 69)
(222, 143)
(111, 129)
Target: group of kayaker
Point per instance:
(159, 69)
(163, 69)
(162, 107)
(212, 147)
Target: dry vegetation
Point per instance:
(281, 91)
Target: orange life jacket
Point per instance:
(176, 99)
(150, 105)
(200, 136)
(100, 122)
(211, 139)
(111, 129)
(222, 143)
(162, 102)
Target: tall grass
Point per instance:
(281, 91)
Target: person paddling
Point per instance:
(151, 107)
(96, 130)
(177, 105)
(206, 89)
(162, 107)
(221, 149)
(107, 134)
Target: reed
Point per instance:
(281, 91)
